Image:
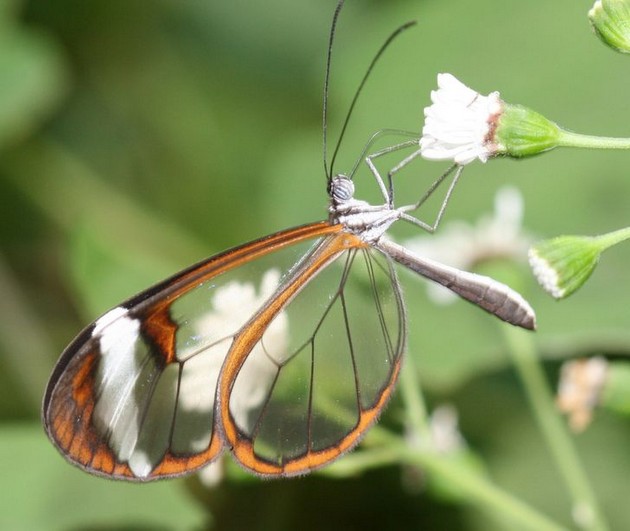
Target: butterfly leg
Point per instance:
(388, 192)
(410, 208)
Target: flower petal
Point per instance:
(457, 124)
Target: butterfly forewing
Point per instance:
(318, 374)
(134, 395)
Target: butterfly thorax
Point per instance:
(367, 221)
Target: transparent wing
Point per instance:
(133, 396)
(317, 367)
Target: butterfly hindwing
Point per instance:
(304, 387)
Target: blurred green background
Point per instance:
(137, 137)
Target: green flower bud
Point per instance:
(561, 265)
(611, 21)
(522, 132)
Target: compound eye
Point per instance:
(342, 189)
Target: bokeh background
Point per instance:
(137, 137)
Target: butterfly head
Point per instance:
(341, 189)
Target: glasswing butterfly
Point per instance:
(283, 350)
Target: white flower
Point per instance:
(445, 434)
(212, 475)
(463, 245)
(459, 124)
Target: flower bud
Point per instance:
(611, 21)
(522, 132)
(561, 265)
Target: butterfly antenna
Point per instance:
(333, 29)
(385, 45)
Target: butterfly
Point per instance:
(283, 351)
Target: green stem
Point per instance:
(586, 511)
(475, 487)
(613, 238)
(358, 462)
(570, 139)
(415, 406)
(482, 492)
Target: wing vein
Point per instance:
(379, 306)
(346, 322)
